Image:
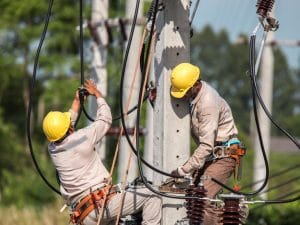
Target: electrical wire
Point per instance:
(141, 92)
(81, 98)
(288, 194)
(291, 137)
(281, 184)
(36, 62)
(122, 84)
(274, 175)
(280, 198)
(171, 175)
(256, 93)
(194, 12)
(139, 159)
(117, 117)
(269, 5)
(252, 76)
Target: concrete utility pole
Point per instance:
(148, 151)
(266, 91)
(98, 67)
(171, 136)
(133, 59)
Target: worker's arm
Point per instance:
(103, 118)
(75, 107)
(208, 126)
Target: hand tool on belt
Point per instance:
(93, 201)
(235, 149)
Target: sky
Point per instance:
(239, 16)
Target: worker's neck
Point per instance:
(195, 90)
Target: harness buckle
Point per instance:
(93, 201)
(219, 152)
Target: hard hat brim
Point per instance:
(68, 115)
(178, 93)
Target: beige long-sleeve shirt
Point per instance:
(78, 164)
(211, 121)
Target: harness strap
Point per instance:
(93, 201)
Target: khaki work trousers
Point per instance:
(221, 170)
(136, 200)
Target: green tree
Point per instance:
(21, 25)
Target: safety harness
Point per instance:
(232, 148)
(93, 201)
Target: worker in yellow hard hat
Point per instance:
(213, 129)
(84, 180)
(56, 124)
(184, 77)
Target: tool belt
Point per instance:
(231, 149)
(95, 200)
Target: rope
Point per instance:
(110, 175)
(119, 138)
(124, 181)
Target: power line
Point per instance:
(274, 175)
(280, 185)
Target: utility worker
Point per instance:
(83, 178)
(212, 125)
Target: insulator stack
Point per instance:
(264, 6)
(195, 207)
(189, 202)
(232, 214)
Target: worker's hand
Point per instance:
(91, 87)
(179, 172)
(175, 172)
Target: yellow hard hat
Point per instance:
(56, 125)
(183, 77)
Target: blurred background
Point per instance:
(219, 45)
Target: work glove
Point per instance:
(180, 182)
(179, 172)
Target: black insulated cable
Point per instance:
(139, 158)
(267, 112)
(282, 184)
(82, 95)
(117, 117)
(81, 41)
(252, 75)
(36, 62)
(274, 175)
(144, 180)
(194, 12)
(81, 61)
(255, 92)
(122, 84)
(280, 200)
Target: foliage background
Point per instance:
(223, 64)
